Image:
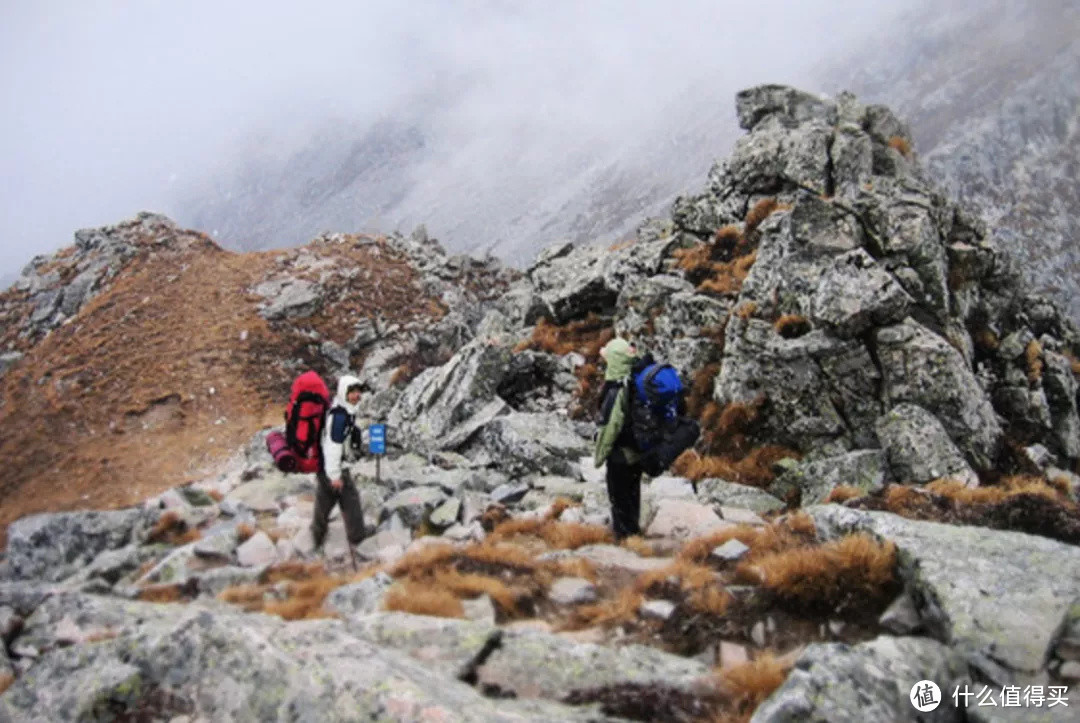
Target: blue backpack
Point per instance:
(658, 431)
(655, 404)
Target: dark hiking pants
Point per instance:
(349, 499)
(624, 492)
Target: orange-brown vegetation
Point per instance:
(901, 146)
(754, 468)
(849, 573)
(1074, 363)
(719, 266)
(843, 493)
(5, 682)
(791, 531)
(585, 336)
(559, 535)
(638, 546)
(167, 593)
(747, 685)
(790, 326)
(172, 529)
(746, 309)
(215, 495)
(761, 211)
(701, 389)
(422, 599)
(1033, 356)
(621, 608)
(244, 532)
(305, 584)
(698, 584)
(986, 340)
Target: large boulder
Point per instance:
(985, 592)
(864, 469)
(460, 394)
(919, 448)
(820, 390)
(856, 293)
(165, 662)
(790, 105)
(868, 681)
(53, 546)
(524, 443)
(920, 367)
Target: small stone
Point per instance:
(901, 617)
(740, 515)
(730, 551)
(733, 654)
(659, 609)
(257, 550)
(836, 627)
(572, 591)
(757, 634)
(10, 624)
(1070, 671)
(482, 609)
(509, 493)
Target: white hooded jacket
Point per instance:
(333, 440)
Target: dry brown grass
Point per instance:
(620, 609)
(698, 584)
(754, 469)
(900, 145)
(622, 245)
(167, 593)
(747, 685)
(761, 211)
(6, 681)
(986, 340)
(745, 310)
(791, 531)
(701, 389)
(421, 599)
(215, 495)
(189, 536)
(586, 336)
(1006, 488)
(1074, 363)
(306, 586)
(169, 523)
(244, 532)
(848, 573)
(719, 267)
(843, 493)
(791, 326)
(305, 598)
(470, 585)
(1033, 356)
(559, 535)
(638, 546)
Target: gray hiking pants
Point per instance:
(349, 499)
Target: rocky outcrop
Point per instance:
(984, 592)
(868, 681)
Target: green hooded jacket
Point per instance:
(619, 363)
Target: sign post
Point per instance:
(377, 445)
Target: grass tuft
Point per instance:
(901, 145)
(843, 493)
(846, 574)
(791, 326)
(749, 684)
(1033, 356)
(420, 599)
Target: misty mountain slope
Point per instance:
(993, 98)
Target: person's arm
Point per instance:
(334, 447)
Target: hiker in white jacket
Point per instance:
(335, 484)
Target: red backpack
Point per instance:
(297, 450)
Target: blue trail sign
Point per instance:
(377, 439)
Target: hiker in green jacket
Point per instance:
(614, 442)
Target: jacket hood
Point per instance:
(619, 360)
(340, 399)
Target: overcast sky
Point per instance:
(109, 108)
